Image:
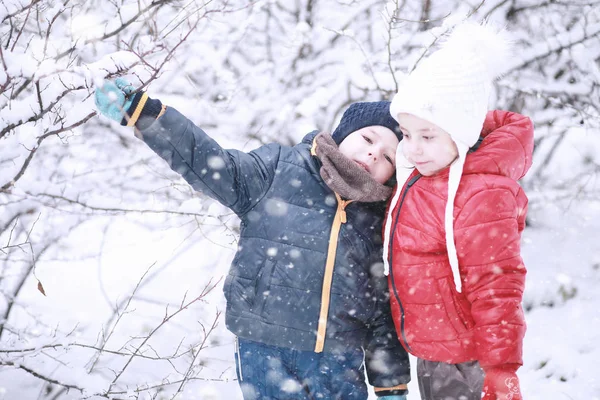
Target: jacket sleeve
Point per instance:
(492, 271)
(386, 361)
(236, 179)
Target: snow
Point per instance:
(251, 75)
(562, 332)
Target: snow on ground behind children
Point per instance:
(562, 255)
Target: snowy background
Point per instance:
(132, 261)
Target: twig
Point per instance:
(119, 29)
(119, 316)
(23, 26)
(20, 283)
(200, 348)
(32, 152)
(40, 376)
(209, 286)
(115, 209)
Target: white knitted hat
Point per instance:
(451, 88)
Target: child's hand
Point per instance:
(113, 99)
(501, 384)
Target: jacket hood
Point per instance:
(507, 146)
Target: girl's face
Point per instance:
(427, 146)
(374, 149)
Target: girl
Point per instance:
(453, 227)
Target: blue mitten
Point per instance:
(114, 99)
(393, 397)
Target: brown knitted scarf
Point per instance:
(344, 176)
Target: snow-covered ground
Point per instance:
(560, 248)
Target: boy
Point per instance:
(453, 228)
(304, 294)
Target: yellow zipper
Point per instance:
(338, 220)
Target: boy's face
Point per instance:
(374, 149)
(426, 145)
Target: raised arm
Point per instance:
(236, 179)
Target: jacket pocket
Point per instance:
(452, 303)
(227, 287)
(262, 286)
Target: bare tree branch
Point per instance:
(40, 376)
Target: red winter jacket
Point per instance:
(485, 322)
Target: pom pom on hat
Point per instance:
(488, 42)
(451, 88)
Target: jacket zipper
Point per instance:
(338, 220)
(391, 255)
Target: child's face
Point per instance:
(426, 145)
(374, 149)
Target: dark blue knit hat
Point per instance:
(361, 115)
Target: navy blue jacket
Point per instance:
(281, 290)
